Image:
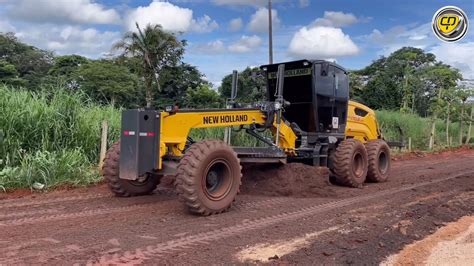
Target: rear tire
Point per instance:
(122, 187)
(208, 177)
(349, 163)
(379, 160)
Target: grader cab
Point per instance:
(307, 110)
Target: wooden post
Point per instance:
(432, 134)
(468, 137)
(450, 144)
(433, 126)
(409, 144)
(447, 125)
(461, 124)
(103, 143)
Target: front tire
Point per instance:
(122, 187)
(349, 163)
(208, 177)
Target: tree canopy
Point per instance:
(407, 80)
(250, 88)
(30, 63)
(156, 48)
(119, 80)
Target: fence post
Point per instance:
(103, 143)
(409, 144)
(468, 138)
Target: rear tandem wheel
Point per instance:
(379, 160)
(350, 163)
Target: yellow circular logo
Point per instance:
(450, 24)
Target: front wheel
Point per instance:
(122, 187)
(349, 163)
(208, 177)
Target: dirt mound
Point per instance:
(293, 179)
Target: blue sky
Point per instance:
(230, 34)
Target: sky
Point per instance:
(224, 35)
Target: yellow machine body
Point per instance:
(175, 127)
(361, 123)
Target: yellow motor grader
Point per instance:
(307, 111)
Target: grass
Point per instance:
(50, 137)
(68, 167)
(53, 137)
(397, 126)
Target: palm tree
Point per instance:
(156, 49)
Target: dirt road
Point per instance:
(349, 226)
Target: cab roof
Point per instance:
(299, 63)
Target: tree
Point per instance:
(176, 81)
(31, 63)
(63, 73)
(440, 79)
(356, 85)
(394, 81)
(156, 48)
(66, 65)
(9, 74)
(107, 82)
(203, 97)
(250, 88)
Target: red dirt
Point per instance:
(353, 226)
(293, 179)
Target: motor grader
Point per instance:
(307, 111)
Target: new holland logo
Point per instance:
(450, 24)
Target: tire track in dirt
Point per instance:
(140, 255)
(88, 213)
(72, 215)
(27, 213)
(238, 206)
(22, 203)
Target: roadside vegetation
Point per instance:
(52, 107)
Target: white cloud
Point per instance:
(321, 42)
(259, 20)
(204, 24)
(170, 17)
(69, 39)
(235, 24)
(60, 12)
(303, 3)
(240, 2)
(246, 44)
(338, 19)
(212, 47)
(458, 55)
(399, 36)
